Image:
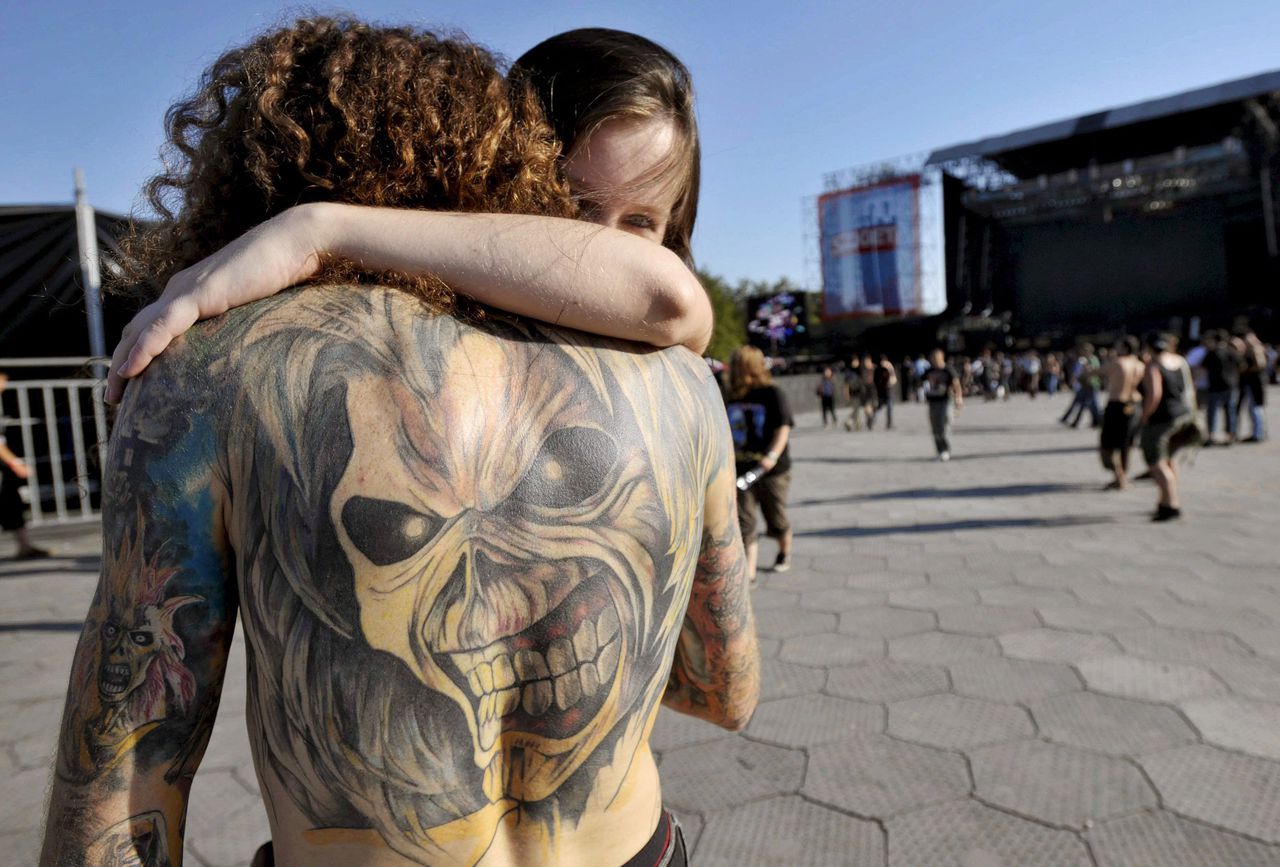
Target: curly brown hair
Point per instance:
(333, 109)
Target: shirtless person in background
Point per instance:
(463, 546)
(1120, 422)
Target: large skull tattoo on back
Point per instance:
(464, 554)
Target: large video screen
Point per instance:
(776, 323)
(871, 251)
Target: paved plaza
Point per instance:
(986, 662)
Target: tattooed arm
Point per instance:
(148, 668)
(716, 672)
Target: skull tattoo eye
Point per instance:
(386, 531)
(572, 466)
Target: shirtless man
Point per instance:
(1120, 422)
(472, 555)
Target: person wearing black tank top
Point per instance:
(1168, 417)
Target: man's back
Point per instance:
(463, 554)
(1222, 363)
(1123, 374)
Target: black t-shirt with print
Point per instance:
(753, 419)
(937, 384)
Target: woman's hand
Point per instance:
(274, 256)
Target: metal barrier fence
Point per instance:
(62, 428)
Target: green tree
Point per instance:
(727, 305)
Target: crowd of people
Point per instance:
(497, 545)
(1134, 392)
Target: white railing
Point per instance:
(62, 427)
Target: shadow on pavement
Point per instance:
(949, 526)
(43, 626)
(1007, 429)
(25, 570)
(975, 456)
(985, 491)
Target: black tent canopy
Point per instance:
(42, 311)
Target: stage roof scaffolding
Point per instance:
(1198, 117)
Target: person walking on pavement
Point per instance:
(826, 392)
(1085, 372)
(884, 378)
(761, 422)
(853, 386)
(1122, 376)
(1253, 392)
(13, 473)
(942, 393)
(1222, 365)
(869, 395)
(1168, 419)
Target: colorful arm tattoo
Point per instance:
(148, 669)
(716, 672)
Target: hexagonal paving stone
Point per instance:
(940, 647)
(932, 598)
(765, 597)
(970, 578)
(1235, 792)
(885, 622)
(769, 647)
(1026, 597)
(841, 599)
(781, 679)
(1147, 679)
(1121, 597)
(1115, 726)
(728, 772)
(1263, 641)
(986, 619)
(887, 581)
(1058, 785)
(1206, 618)
(1252, 677)
(804, 581)
(886, 680)
(673, 730)
(952, 721)
(877, 776)
(1237, 724)
(1056, 645)
(829, 648)
(1090, 618)
(1161, 839)
(21, 799)
(1012, 680)
(969, 834)
(814, 719)
(788, 622)
(1180, 645)
(770, 832)
(225, 824)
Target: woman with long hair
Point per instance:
(622, 108)
(760, 419)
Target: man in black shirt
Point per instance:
(1222, 365)
(942, 392)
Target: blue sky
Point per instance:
(787, 91)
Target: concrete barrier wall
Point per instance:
(800, 394)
